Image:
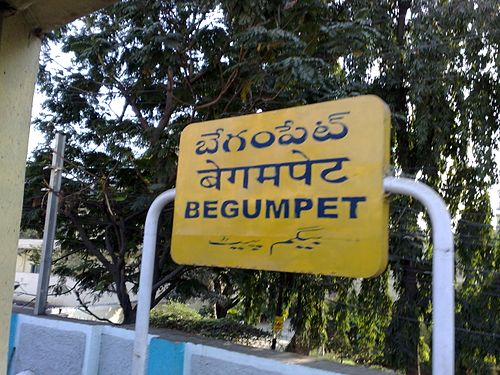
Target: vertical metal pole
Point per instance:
(49, 229)
(443, 271)
(140, 352)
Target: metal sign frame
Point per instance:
(443, 274)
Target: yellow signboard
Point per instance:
(278, 323)
(295, 190)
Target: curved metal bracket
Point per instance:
(140, 351)
(443, 271)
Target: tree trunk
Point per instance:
(124, 298)
(129, 314)
(410, 295)
(296, 346)
(406, 160)
(279, 308)
(221, 310)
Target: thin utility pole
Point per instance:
(49, 229)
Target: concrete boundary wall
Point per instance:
(49, 345)
(25, 342)
(202, 359)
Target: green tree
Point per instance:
(478, 296)
(137, 78)
(141, 71)
(437, 72)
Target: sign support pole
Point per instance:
(49, 229)
(140, 351)
(443, 271)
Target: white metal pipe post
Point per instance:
(443, 271)
(49, 230)
(140, 352)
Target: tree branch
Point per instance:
(125, 106)
(403, 6)
(88, 243)
(65, 256)
(87, 310)
(107, 241)
(224, 89)
(172, 275)
(169, 101)
(131, 100)
(162, 295)
(122, 237)
(164, 255)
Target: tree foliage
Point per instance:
(143, 70)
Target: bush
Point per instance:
(183, 318)
(173, 311)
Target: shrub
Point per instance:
(183, 318)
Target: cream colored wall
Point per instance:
(19, 52)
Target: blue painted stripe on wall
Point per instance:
(165, 357)
(12, 336)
